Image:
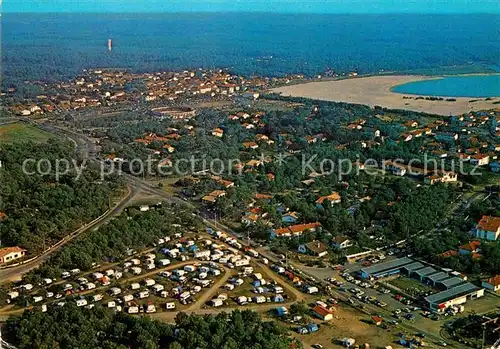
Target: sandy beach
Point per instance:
(376, 90)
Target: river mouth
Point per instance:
(471, 86)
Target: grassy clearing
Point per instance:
(20, 132)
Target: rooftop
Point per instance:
(6, 250)
(425, 271)
(437, 276)
(471, 246)
(299, 228)
(321, 311)
(452, 293)
(451, 282)
(333, 197)
(494, 281)
(489, 223)
(394, 264)
(413, 266)
(317, 246)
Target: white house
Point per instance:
(341, 242)
(8, 254)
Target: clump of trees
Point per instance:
(102, 328)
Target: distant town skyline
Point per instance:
(279, 6)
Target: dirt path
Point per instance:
(169, 317)
(211, 291)
(298, 296)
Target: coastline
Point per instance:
(377, 91)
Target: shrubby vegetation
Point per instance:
(102, 328)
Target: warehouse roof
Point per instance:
(451, 282)
(437, 276)
(424, 271)
(413, 266)
(381, 267)
(452, 293)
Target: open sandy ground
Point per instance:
(376, 90)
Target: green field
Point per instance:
(20, 132)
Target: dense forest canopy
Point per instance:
(38, 47)
(42, 208)
(102, 328)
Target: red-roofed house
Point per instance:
(480, 159)
(488, 228)
(322, 313)
(377, 320)
(218, 132)
(470, 248)
(492, 283)
(333, 198)
(8, 254)
(250, 145)
(295, 230)
(449, 253)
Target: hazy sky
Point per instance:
(316, 6)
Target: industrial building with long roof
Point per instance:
(454, 296)
(385, 269)
(453, 290)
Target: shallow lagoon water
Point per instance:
(477, 86)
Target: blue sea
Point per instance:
(55, 46)
(454, 86)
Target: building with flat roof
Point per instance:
(385, 269)
(438, 302)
